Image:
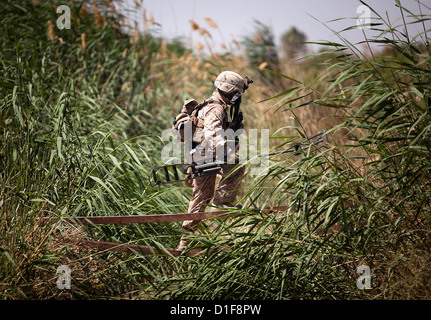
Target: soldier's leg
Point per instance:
(203, 192)
(229, 185)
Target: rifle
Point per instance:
(235, 103)
(313, 141)
(202, 168)
(198, 169)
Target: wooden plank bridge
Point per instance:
(131, 248)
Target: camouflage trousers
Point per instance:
(203, 192)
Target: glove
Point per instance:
(188, 176)
(232, 158)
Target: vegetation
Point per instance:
(82, 111)
(294, 42)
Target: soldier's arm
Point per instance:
(213, 126)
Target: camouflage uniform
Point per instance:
(214, 116)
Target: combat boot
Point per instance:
(184, 243)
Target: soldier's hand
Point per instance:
(232, 158)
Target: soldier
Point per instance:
(214, 118)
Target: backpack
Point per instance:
(189, 116)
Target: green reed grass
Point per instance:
(366, 202)
(80, 131)
(73, 143)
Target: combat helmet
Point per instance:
(229, 82)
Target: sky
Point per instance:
(235, 18)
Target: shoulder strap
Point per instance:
(198, 122)
(205, 102)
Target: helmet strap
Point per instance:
(228, 97)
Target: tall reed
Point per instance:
(366, 202)
(81, 114)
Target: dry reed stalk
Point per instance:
(83, 43)
(211, 22)
(194, 25)
(51, 31)
(263, 65)
(100, 20)
(204, 32)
